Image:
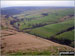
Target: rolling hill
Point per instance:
(48, 27)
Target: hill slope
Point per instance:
(23, 42)
(50, 30)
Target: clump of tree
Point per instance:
(38, 25)
(29, 19)
(22, 19)
(61, 41)
(15, 17)
(12, 22)
(7, 16)
(45, 14)
(71, 15)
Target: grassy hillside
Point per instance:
(68, 36)
(52, 29)
(54, 24)
(45, 22)
(38, 20)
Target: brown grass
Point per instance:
(26, 42)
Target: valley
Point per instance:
(37, 30)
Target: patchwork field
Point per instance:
(37, 30)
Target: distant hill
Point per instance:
(18, 10)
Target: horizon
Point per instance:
(5, 4)
(40, 6)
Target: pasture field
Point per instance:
(52, 29)
(41, 19)
(37, 30)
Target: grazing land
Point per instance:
(36, 30)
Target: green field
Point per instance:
(50, 30)
(67, 35)
(48, 24)
(36, 20)
(54, 24)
